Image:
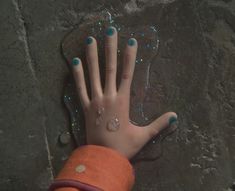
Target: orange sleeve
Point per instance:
(95, 168)
(67, 189)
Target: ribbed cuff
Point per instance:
(72, 184)
(99, 168)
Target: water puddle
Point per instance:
(141, 94)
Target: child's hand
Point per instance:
(107, 111)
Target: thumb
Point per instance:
(168, 119)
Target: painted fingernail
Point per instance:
(110, 31)
(75, 61)
(131, 42)
(89, 40)
(173, 122)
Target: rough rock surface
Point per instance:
(195, 69)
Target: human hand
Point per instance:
(107, 111)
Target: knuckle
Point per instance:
(109, 45)
(110, 69)
(128, 56)
(153, 132)
(126, 76)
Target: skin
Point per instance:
(129, 138)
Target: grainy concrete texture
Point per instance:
(195, 69)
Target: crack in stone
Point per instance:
(23, 37)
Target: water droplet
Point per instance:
(113, 124)
(100, 111)
(98, 121)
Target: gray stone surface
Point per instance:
(25, 157)
(195, 68)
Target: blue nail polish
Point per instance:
(75, 61)
(110, 31)
(89, 40)
(172, 120)
(131, 42)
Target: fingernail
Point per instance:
(89, 40)
(75, 61)
(131, 42)
(173, 121)
(110, 31)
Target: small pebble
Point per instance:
(65, 138)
